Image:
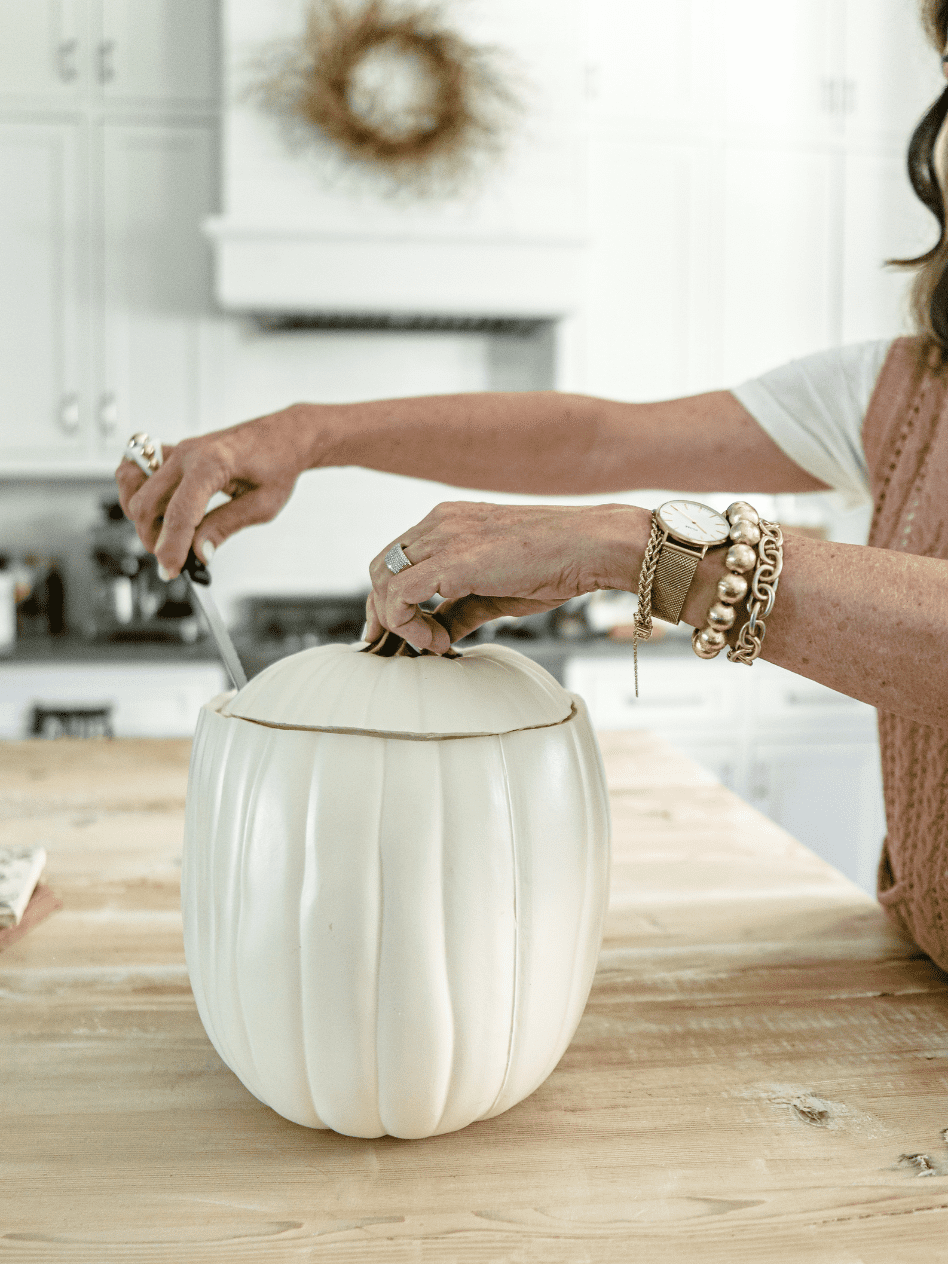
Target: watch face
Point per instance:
(693, 523)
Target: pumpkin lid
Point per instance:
(488, 689)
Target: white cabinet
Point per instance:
(142, 699)
(107, 164)
(154, 273)
(676, 696)
(773, 63)
(748, 175)
(803, 754)
(41, 47)
(155, 52)
(43, 316)
(779, 276)
(891, 70)
(826, 794)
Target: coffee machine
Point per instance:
(129, 601)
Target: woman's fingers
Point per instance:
(399, 604)
(373, 625)
(256, 464)
(488, 560)
(465, 615)
(260, 504)
(424, 631)
(129, 479)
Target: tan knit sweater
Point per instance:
(905, 436)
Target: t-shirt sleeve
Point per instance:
(813, 409)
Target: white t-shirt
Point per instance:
(813, 409)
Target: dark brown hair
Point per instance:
(930, 289)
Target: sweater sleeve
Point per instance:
(814, 408)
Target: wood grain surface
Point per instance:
(761, 1073)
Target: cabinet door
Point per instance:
(43, 390)
(155, 278)
(682, 698)
(775, 62)
(646, 280)
(159, 51)
(644, 66)
(142, 699)
(43, 50)
(779, 267)
(829, 797)
(891, 71)
(883, 220)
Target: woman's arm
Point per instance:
(871, 623)
(544, 442)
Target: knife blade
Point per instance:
(146, 454)
(212, 617)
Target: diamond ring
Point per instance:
(396, 560)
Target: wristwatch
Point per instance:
(689, 530)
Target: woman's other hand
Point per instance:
(488, 560)
(256, 464)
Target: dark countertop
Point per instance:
(549, 653)
(75, 649)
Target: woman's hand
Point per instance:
(256, 464)
(489, 560)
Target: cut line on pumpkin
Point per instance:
(403, 737)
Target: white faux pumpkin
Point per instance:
(394, 884)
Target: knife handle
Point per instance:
(196, 569)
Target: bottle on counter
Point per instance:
(7, 606)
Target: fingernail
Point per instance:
(208, 549)
(160, 541)
(163, 574)
(363, 635)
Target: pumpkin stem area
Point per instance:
(388, 645)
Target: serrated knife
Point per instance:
(146, 453)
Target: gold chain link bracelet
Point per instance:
(760, 603)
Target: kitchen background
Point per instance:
(692, 193)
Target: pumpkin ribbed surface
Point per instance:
(393, 936)
(489, 689)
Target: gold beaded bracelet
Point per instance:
(709, 641)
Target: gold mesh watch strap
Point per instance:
(673, 575)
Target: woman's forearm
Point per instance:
(545, 443)
(870, 623)
(551, 444)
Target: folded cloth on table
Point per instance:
(41, 904)
(20, 869)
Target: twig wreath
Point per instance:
(396, 91)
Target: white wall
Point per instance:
(658, 283)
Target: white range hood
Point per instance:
(292, 239)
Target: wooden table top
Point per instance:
(761, 1073)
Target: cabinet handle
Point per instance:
(66, 60)
(108, 413)
(69, 417)
(106, 60)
